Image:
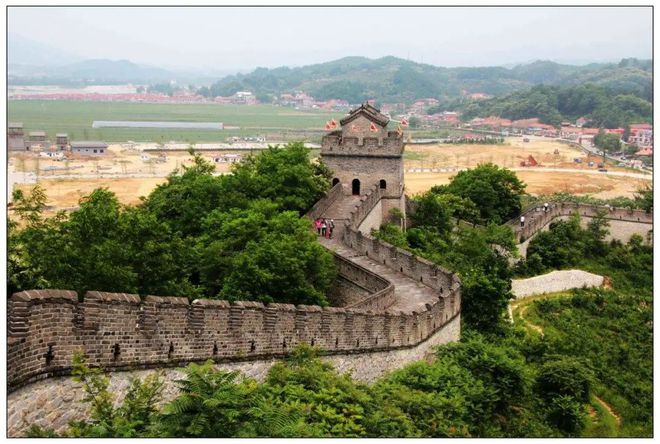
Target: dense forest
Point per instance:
(393, 80)
(236, 236)
(577, 364)
(609, 107)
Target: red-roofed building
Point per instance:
(645, 151)
(641, 133)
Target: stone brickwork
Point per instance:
(119, 331)
(553, 282)
(623, 222)
(56, 401)
(364, 150)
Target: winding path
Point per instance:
(520, 309)
(410, 295)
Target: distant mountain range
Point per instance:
(390, 79)
(32, 62)
(387, 79)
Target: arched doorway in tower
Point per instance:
(383, 184)
(335, 181)
(356, 187)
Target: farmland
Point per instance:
(75, 118)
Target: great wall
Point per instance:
(391, 307)
(396, 308)
(623, 222)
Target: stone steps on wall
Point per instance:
(410, 295)
(341, 208)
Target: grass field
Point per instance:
(75, 118)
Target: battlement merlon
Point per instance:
(337, 145)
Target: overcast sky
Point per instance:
(245, 38)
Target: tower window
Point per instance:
(356, 187)
(383, 184)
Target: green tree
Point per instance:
(133, 418)
(212, 404)
(438, 211)
(565, 376)
(261, 254)
(496, 192)
(644, 198)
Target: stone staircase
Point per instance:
(410, 295)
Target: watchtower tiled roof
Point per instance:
(369, 112)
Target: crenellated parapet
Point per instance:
(536, 219)
(119, 331)
(337, 145)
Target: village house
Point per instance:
(62, 141)
(580, 122)
(244, 98)
(89, 148)
(646, 151)
(36, 141)
(641, 134)
(15, 137)
(570, 133)
(450, 117)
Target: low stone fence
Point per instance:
(367, 203)
(536, 219)
(324, 203)
(382, 291)
(553, 282)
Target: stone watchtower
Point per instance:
(364, 154)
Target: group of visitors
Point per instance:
(324, 227)
(546, 208)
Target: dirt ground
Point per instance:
(65, 193)
(603, 187)
(65, 182)
(508, 155)
(120, 159)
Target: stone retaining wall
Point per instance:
(54, 402)
(553, 282)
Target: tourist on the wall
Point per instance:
(324, 227)
(331, 228)
(317, 224)
(522, 221)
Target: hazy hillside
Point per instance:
(99, 71)
(390, 79)
(22, 51)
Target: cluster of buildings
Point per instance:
(181, 97)
(238, 98)
(37, 141)
(301, 100)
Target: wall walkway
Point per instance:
(623, 222)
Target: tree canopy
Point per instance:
(237, 236)
(495, 192)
